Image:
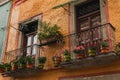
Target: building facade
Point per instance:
(4, 11)
(83, 23)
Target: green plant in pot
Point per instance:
(66, 56)
(14, 65)
(7, 66)
(56, 60)
(92, 50)
(22, 63)
(41, 61)
(104, 47)
(29, 62)
(48, 32)
(117, 49)
(79, 51)
(1, 68)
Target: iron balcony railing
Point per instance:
(95, 35)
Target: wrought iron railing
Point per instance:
(87, 37)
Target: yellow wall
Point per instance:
(58, 16)
(114, 15)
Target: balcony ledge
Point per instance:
(102, 59)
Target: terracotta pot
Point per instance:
(1, 70)
(30, 66)
(57, 60)
(80, 56)
(105, 50)
(91, 53)
(13, 67)
(21, 66)
(41, 66)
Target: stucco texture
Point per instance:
(114, 15)
(32, 8)
(58, 16)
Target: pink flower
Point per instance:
(79, 48)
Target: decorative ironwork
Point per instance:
(87, 38)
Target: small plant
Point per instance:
(48, 33)
(22, 63)
(29, 62)
(105, 44)
(1, 68)
(41, 61)
(117, 48)
(104, 47)
(79, 51)
(14, 65)
(7, 67)
(56, 60)
(92, 50)
(67, 55)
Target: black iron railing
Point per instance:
(85, 38)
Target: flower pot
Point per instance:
(80, 56)
(21, 66)
(41, 66)
(56, 61)
(29, 66)
(1, 70)
(13, 67)
(91, 53)
(7, 68)
(105, 50)
(67, 58)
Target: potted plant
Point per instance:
(41, 61)
(79, 51)
(29, 62)
(7, 66)
(117, 48)
(92, 50)
(104, 47)
(1, 68)
(66, 56)
(22, 63)
(13, 65)
(48, 32)
(56, 60)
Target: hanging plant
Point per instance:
(48, 32)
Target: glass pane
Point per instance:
(29, 40)
(28, 51)
(34, 50)
(35, 39)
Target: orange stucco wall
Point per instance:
(32, 8)
(114, 15)
(58, 16)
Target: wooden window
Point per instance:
(87, 18)
(30, 37)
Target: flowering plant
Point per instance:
(79, 49)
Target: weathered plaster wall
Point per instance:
(4, 14)
(31, 8)
(114, 15)
(57, 74)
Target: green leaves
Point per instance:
(105, 44)
(46, 30)
(42, 59)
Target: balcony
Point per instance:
(87, 38)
